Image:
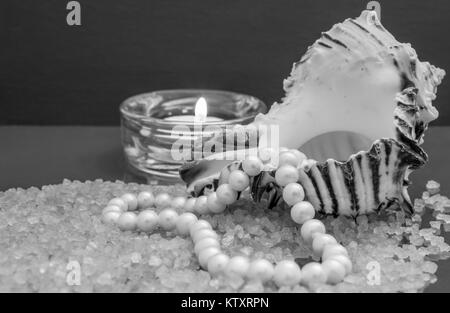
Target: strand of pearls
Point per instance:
(335, 263)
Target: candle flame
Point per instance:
(201, 110)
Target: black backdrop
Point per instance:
(52, 73)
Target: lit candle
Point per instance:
(201, 110)
(160, 128)
(201, 114)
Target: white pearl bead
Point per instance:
(226, 194)
(178, 203)
(214, 205)
(261, 270)
(163, 200)
(287, 273)
(189, 206)
(201, 205)
(127, 221)
(333, 249)
(252, 166)
(238, 265)
(184, 223)
(206, 243)
(288, 158)
(168, 219)
(111, 217)
(201, 224)
(334, 271)
(131, 200)
(147, 220)
(120, 203)
(311, 227)
(204, 233)
(313, 273)
(320, 241)
(293, 193)
(111, 208)
(302, 212)
(238, 180)
(206, 254)
(344, 260)
(300, 156)
(286, 174)
(145, 199)
(217, 264)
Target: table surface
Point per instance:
(36, 156)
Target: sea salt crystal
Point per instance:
(254, 230)
(419, 205)
(92, 246)
(446, 205)
(20, 278)
(447, 227)
(235, 281)
(239, 231)
(436, 224)
(253, 287)
(227, 239)
(154, 261)
(105, 279)
(246, 251)
(363, 223)
(426, 232)
(275, 238)
(400, 217)
(433, 187)
(33, 220)
(286, 234)
(267, 224)
(135, 257)
(443, 217)
(109, 258)
(416, 240)
(429, 267)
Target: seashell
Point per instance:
(367, 181)
(358, 103)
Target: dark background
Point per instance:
(52, 73)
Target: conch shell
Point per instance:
(358, 103)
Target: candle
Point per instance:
(158, 125)
(201, 114)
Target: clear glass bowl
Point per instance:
(147, 136)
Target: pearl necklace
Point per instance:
(335, 263)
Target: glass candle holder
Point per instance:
(148, 121)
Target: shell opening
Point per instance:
(338, 145)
